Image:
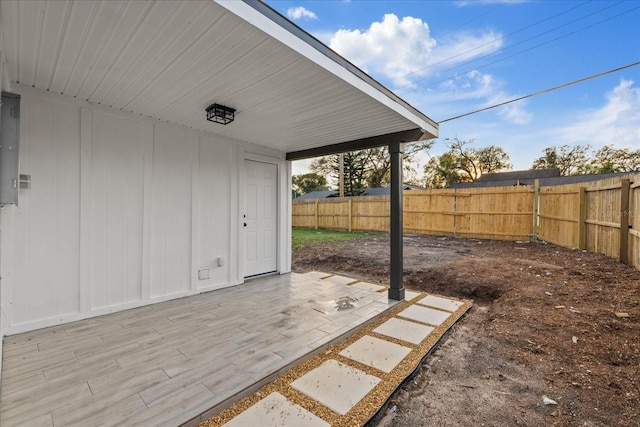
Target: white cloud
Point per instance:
(474, 91)
(300, 12)
(404, 51)
(515, 112)
(616, 122)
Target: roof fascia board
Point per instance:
(359, 144)
(277, 26)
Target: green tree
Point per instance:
(611, 160)
(379, 162)
(308, 182)
(569, 160)
(355, 167)
(368, 168)
(441, 171)
(464, 164)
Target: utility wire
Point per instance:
(464, 24)
(504, 37)
(516, 53)
(542, 91)
(547, 32)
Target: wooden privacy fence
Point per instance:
(601, 216)
(502, 213)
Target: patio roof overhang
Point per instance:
(170, 60)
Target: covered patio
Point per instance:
(168, 363)
(129, 216)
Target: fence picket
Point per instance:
(583, 215)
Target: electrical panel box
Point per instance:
(10, 179)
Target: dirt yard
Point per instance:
(548, 325)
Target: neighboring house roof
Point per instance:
(377, 191)
(544, 181)
(385, 191)
(520, 175)
(318, 195)
(170, 60)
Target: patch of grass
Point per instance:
(301, 237)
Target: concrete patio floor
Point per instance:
(348, 383)
(177, 361)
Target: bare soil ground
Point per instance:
(544, 323)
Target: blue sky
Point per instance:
(452, 57)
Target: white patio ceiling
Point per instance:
(169, 60)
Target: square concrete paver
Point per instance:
(441, 303)
(368, 286)
(377, 353)
(425, 315)
(337, 386)
(339, 280)
(409, 295)
(404, 330)
(276, 410)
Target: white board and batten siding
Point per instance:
(122, 211)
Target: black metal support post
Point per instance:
(396, 289)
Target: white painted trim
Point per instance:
(147, 203)
(286, 220)
(279, 33)
(86, 147)
(237, 207)
(195, 224)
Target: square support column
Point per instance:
(396, 289)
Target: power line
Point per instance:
(472, 19)
(542, 91)
(516, 53)
(550, 31)
(502, 38)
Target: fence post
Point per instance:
(582, 219)
(536, 208)
(316, 213)
(350, 215)
(625, 188)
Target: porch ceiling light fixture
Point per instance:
(220, 114)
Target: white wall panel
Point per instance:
(46, 233)
(174, 156)
(213, 215)
(117, 176)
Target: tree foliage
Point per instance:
(367, 168)
(611, 160)
(308, 182)
(576, 160)
(464, 164)
(569, 160)
(355, 167)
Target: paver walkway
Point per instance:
(348, 384)
(168, 363)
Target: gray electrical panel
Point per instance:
(10, 179)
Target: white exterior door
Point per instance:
(260, 218)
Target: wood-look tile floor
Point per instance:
(169, 363)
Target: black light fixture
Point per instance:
(220, 114)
